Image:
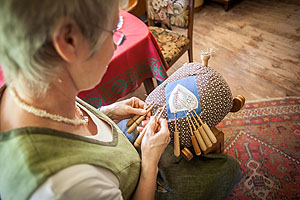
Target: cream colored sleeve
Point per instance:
(80, 182)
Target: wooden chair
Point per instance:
(172, 45)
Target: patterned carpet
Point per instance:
(265, 137)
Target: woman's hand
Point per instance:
(153, 145)
(124, 109)
(154, 142)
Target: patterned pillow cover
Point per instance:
(214, 94)
(169, 12)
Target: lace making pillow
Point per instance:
(214, 95)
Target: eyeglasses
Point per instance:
(118, 37)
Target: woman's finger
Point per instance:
(168, 140)
(163, 127)
(139, 128)
(145, 122)
(150, 126)
(136, 111)
(138, 103)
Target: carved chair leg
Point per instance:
(190, 53)
(148, 84)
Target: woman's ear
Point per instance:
(66, 39)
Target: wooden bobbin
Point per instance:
(139, 139)
(135, 117)
(139, 120)
(198, 136)
(187, 154)
(194, 140)
(176, 139)
(132, 120)
(135, 124)
(209, 133)
(202, 133)
(205, 136)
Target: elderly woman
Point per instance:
(53, 145)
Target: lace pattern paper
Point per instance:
(182, 96)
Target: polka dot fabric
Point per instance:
(214, 93)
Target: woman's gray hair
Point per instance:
(26, 30)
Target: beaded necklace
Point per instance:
(44, 114)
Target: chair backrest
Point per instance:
(178, 13)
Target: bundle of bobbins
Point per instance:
(218, 147)
(137, 119)
(204, 140)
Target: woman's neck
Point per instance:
(59, 99)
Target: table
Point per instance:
(135, 61)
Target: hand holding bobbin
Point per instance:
(140, 137)
(137, 119)
(154, 142)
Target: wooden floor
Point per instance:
(256, 44)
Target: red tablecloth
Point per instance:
(134, 61)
